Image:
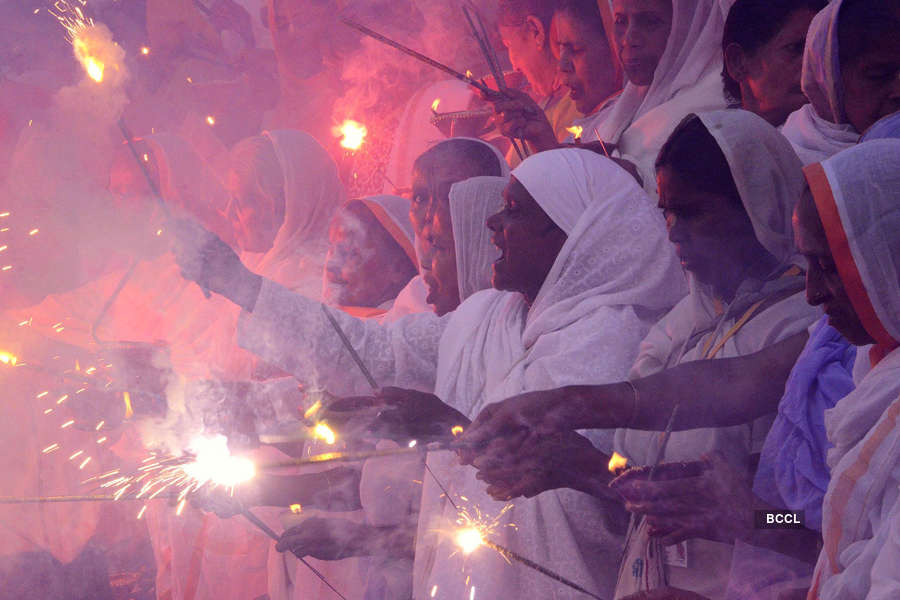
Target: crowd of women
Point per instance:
(652, 303)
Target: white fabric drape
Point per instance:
(312, 193)
(471, 202)
(820, 129)
(859, 204)
(615, 269)
(769, 180)
(688, 79)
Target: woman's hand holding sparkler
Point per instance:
(405, 415)
(516, 115)
(203, 257)
(526, 464)
(709, 499)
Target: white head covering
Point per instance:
(392, 212)
(312, 192)
(471, 202)
(859, 204)
(767, 173)
(610, 241)
(541, 174)
(821, 78)
(819, 129)
(691, 64)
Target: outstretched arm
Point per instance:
(710, 393)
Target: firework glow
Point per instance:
(352, 133)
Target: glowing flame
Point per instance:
(617, 462)
(92, 65)
(296, 509)
(145, 50)
(312, 409)
(323, 432)
(8, 359)
(435, 104)
(469, 540)
(576, 131)
(129, 409)
(352, 134)
(469, 74)
(215, 464)
(211, 120)
(456, 430)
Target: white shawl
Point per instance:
(819, 129)
(615, 270)
(471, 202)
(856, 194)
(312, 193)
(687, 79)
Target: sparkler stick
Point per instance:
(510, 555)
(271, 533)
(330, 457)
(421, 57)
(349, 346)
(57, 499)
(492, 61)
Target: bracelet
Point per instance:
(635, 398)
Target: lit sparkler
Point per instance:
(617, 462)
(207, 463)
(323, 432)
(352, 134)
(576, 131)
(93, 44)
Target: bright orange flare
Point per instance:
(576, 131)
(92, 65)
(211, 120)
(352, 134)
(469, 540)
(435, 104)
(616, 462)
(456, 430)
(323, 432)
(8, 359)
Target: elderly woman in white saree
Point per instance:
(849, 75)
(610, 273)
(852, 235)
(766, 304)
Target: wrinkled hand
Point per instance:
(325, 539)
(517, 115)
(411, 415)
(542, 412)
(204, 258)
(527, 464)
(716, 504)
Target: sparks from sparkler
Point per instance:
(352, 133)
(208, 463)
(475, 527)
